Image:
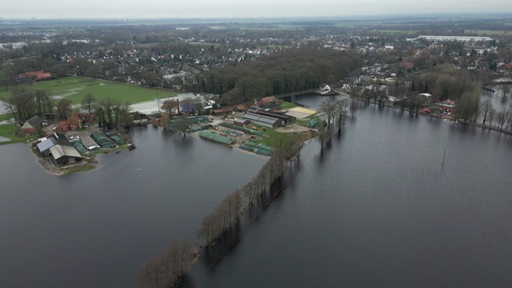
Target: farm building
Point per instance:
(262, 120)
(34, 76)
(31, 126)
(62, 154)
(58, 147)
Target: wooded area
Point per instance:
(279, 73)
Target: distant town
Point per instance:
(233, 83)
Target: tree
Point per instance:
(167, 270)
(181, 124)
(492, 116)
(341, 110)
(501, 118)
(467, 107)
(106, 107)
(63, 109)
(329, 107)
(27, 103)
(88, 102)
(324, 136)
(170, 105)
(485, 108)
(505, 90)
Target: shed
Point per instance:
(65, 154)
(263, 120)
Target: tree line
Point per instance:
(24, 104)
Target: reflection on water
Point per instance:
(379, 210)
(95, 229)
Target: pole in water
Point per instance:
(444, 157)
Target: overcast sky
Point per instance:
(239, 8)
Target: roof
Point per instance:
(60, 139)
(33, 122)
(59, 151)
(260, 118)
(36, 75)
(278, 115)
(45, 145)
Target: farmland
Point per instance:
(75, 89)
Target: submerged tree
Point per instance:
(485, 108)
(168, 269)
(181, 124)
(329, 107)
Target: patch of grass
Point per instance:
(302, 122)
(271, 137)
(4, 117)
(79, 168)
(75, 89)
(9, 131)
(287, 105)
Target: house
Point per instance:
(269, 102)
(34, 76)
(31, 126)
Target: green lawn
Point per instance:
(8, 130)
(271, 136)
(4, 117)
(75, 88)
(287, 105)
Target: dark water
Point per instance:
(379, 210)
(96, 229)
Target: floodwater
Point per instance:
(379, 209)
(96, 229)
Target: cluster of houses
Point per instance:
(265, 113)
(58, 147)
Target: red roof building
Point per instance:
(34, 76)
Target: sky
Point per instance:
(137, 9)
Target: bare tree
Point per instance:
(485, 108)
(170, 105)
(63, 109)
(88, 102)
(167, 269)
(492, 116)
(329, 108)
(501, 118)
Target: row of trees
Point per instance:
(26, 103)
(259, 191)
(489, 114)
(168, 269)
(336, 112)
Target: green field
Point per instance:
(75, 89)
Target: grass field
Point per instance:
(75, 89)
